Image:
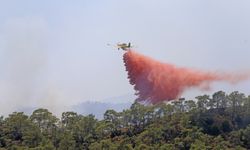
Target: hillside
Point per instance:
(219, 121)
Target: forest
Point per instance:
(209, 122)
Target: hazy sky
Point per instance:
(54, 53)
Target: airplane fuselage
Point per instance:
(124, 46)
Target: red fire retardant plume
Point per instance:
(155, 82)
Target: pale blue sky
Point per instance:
(55, 54)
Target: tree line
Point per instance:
(219, 121)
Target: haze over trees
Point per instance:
(219, 121)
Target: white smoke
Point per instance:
(23, 65)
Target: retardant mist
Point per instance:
(155, 81)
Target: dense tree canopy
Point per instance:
(220, 121)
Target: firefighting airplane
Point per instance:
(123, 46)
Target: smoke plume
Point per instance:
(155, 81)
(24, 80)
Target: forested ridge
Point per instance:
(219, 121)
